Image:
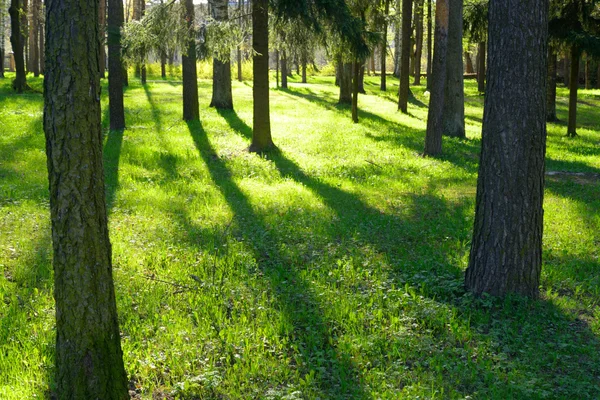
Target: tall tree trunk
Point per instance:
(469, 61)
(304, 77)
(566, 75)
(41, 48)
(115, 65)
(418, 40)
(163, 65)
(433, 136)
(453, 119)
(239, 48)
(277, 63)
(261, 133)
(384, 43)
(361, 78)
(551, 87)
(89, 360)
(429, 43)
(397, 43)
(405, 60)
(284, 70)
(481, 67)
(34, 37)
(145, 57)
(16, 40)
(137, 15)
(355, 88)
(339, 67)
(506, 251)
(588, 82)
(191, 108)
(346, 84)
(102, 23)
(222, 97)
(573, 87)
(25, 34)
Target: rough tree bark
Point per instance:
(506, 251)
(433, 136)
(16, 40)
(115, 65)
(221, 96)
(469, 61)
(102, 22)
(551, 87)
(191, 108)
(384, 44)
(89, 360)
(481, 67)
(345, 84)
(418, 40)
(34, 37)
(405, 59)
(429, 43)
(261, 132)
(453, 118)
(573, 87)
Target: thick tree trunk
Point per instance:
(506, 251)
(418, 40)
(102, 23)
(115, 65)
(551, 87)
(481, 67)
(89, 360)
(469, 61)
(284, 70)
(384, 44)
(261, 134)
(433, 136)
(356, 66)
(429, 44)
(573, 87)
(453, 119)
(222, 97)
(16, 40)
(191, 108)
(405, 60)
(346, 84)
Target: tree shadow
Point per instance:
(156, 115)
(112, 154)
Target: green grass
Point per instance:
(331, 269)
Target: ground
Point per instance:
(330, 269)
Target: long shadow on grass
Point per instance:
(112, 154)
(298, 301)
(156, 115)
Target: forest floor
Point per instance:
(330, 269)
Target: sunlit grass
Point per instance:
(330, 269)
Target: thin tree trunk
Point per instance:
(25, 34)
(433, 136)
(419, 40)
(191, 108)
(16, 40)
(346, 84)
(163, 65)
(384, 43)
(41, 51)
(355, 89)
(89, 360)
(566, 75)
(144, 59)
(261, 134)
(33, 38)
(115, 65)
(397, 42)
(239, 48)
(506, 251)
(453, 119)
(429, 43)
(405, 60)
(573, 87)
(339, 66)
(284, 70)
(304, 77)
(102, 23)
(469, 61)
(551, 87)
(361, 78)
(277, 63)
(481, 67)
(222, 97)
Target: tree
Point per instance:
(429, 44)
(506, 251)
(418, 40)
(261, 133)
(453, 116)
(551, 86)
(89, 362)
(191, 107)
(115, 65)
(433, 136)
(19, 84)
(404, 90)
(102, 9)
(386, 12)
(476, 25)
(34, 37)
(221, 97)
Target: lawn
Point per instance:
(330, 269)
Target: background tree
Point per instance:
(89, 360)
(453, 116)
(115, 65)
(191, 107)
(34, 49)
(506, 251)
(102, 9)
(16, 40)
(222, 97)
(476, 26)
(418, 40)
(404, 90)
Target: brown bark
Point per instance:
(34, 37)
(102, 22)
(469, 61)
(89, 360)
(284, 69)
(261, 132)
(506, 251)
(433, 136)
(384, 43)
(304, 77)
(418, 40)
(16, 40)
(222, 97)
(573, 87)
(345, 84)
(429, 44)
(453, 118)
(115, 65)
(481, 57)
(405, 59)
(191, 108)
(41, 51)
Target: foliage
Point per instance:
(330, 270)
(475, 20)
(576, 23)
